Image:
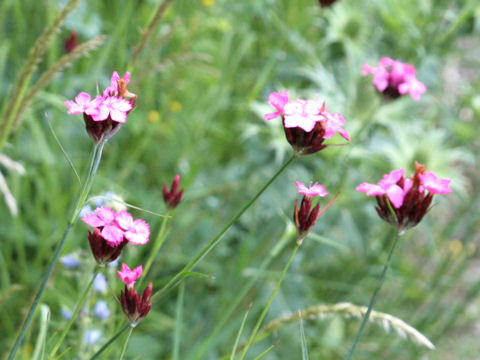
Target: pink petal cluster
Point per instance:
(108, 105)
(305, 114)
(115, 227)
(410, 197)
(395, 78)
(129, 276)
(313, 190)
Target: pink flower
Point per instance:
(313, 190)
(303, 114)
(387, 186)
(114, 107)
(112, 90)
(137, 232)
(129, 276)
(104, 218)
(394, 78)
(333, 124)
(82, 104)
(278, 101)
(434, 185)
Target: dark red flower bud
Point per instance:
(71, 42)
(173, 196)
(305, 217)
(326, 3)
(101, 250)
(101, 129)
(135, 307)
(305, 143)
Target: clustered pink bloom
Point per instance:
(394, 78)
(134, 306)
(410, 198)
(114, 230)
(307, 123)
(105, 114)
(306, 217)
(173, 196)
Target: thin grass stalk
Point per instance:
(177, 332)
(374, 296)
(34, 57)
(75, 313)
(125, 345)
(206, 249)
(93, 167)
(64, 62)
(269, 302)
(159, 13)
(240, 331)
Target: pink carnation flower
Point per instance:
(114, 107)
(129, 276)
(278, 101)
(395, 78)
(434, 185)
(313, 190)
(303, 114)
(112, 90)
(137, 232)
(387, 186)
(333, 124)
(82, 104)
(104, 218)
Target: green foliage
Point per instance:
(202, 82)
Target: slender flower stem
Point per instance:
(159, 240)
(93, 167)
(374, 297)
(75, 313)
(126, 343)
(110, 341)
(265, 309)
(178, 277)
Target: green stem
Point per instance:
(94, 163)
(126, 343)
(374, 297)
(269, 302)
(159, 240)
(110, 341)
(75, 313)
(206, 249)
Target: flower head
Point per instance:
(394, 78)
(135, 231)
(102, 251)
(129, 276)
(71, 42)
(135, 307)
(307, 123)
(305, 217)
(173, 196)
(104, 218)
(410, 197)
(101, 310)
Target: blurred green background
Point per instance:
(202, 83)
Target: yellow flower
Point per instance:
(208, 3)
(153, 116)
(455, 247)
(175, 106)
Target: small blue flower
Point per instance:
(87, 209)
(70, 261)
(114, 263)
(66, 314)
(101, 310)
(100, 283)
(92, 336)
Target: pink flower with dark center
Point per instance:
(82, 104)
(129, 276)
(434, 185)
(394, 78)
(411, 197)
(278, 101)
(113, 107)
(104, 219)
(313, 190)
(137, 232)
(387, 186)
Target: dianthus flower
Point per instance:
(134, 306)
(307, 123)
(112, 233)
(306, 217)
(173, 196)
(394, 78)
(105, 114)
(410, 198)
